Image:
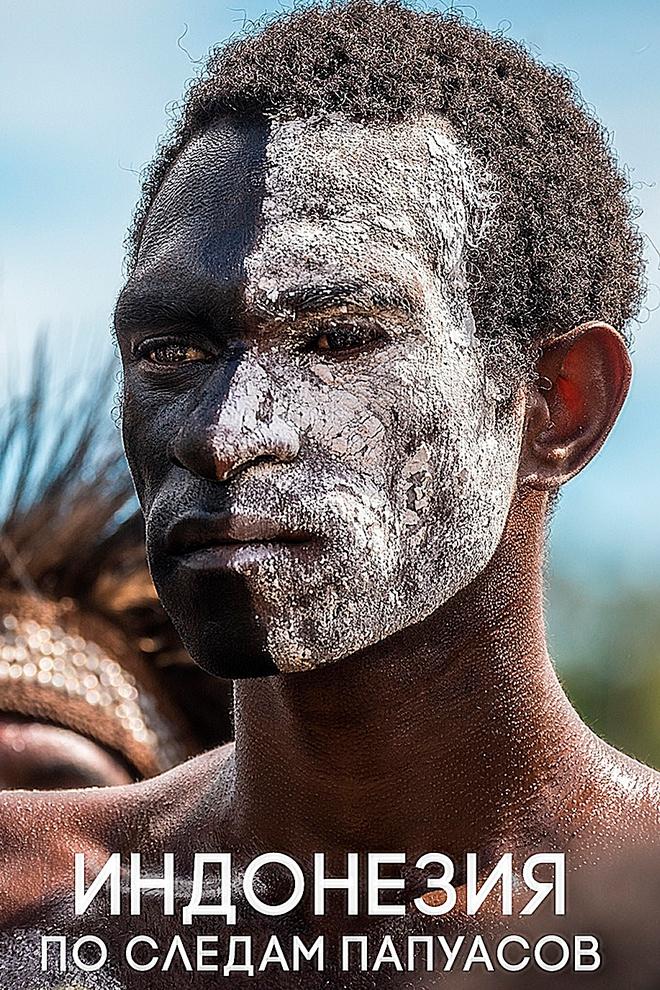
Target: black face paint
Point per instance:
(189, 281)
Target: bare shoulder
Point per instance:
(41, 831)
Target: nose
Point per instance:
(236, 425)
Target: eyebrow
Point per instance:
(317, 297)
(212, 305)
(173, 300)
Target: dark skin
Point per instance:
(452, 735)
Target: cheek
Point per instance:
(387, 425)
(456, 449)
(148, 425)
(132, 428)
(345, 418)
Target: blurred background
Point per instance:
(87, 89)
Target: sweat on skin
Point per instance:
(361, 408)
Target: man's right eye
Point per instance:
(168, 353)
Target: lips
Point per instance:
(231, 532)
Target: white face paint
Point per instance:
(400, 454)
(407, 454)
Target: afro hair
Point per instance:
(562, 246)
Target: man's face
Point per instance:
(321, 453)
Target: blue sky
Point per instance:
(85, 90)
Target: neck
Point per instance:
(453, 734)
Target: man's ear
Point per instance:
(583, 380)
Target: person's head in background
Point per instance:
(94, 682)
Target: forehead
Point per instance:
(253, 194)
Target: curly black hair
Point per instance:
(563, 246)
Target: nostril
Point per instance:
(227, 467)
(261, 459)
(176, 460)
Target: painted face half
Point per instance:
(320, 449)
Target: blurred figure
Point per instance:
(78, 711)
(93, 679)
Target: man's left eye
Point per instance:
(350, 338)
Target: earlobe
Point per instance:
(582, 382)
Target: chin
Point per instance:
(214, 616)
(237, 659)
